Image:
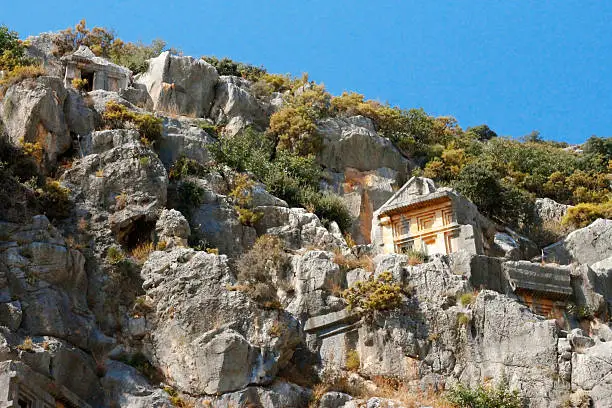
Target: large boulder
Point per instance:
(80, 118)
(549, 211)
(233, 99)
(592, 372)
(172, 228)
(33, 112)
(207, 338)
(180, 85)
(183, 137)
(122, 178)
(587, 245)
(47, 277)
(353, 142)
(298, 228)
(279, 394)
(124, 386)
(216, 221)
(43, 48)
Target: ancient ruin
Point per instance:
(431, 220)
(20, 387)
(98, 72)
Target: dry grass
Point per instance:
(350, 263)
(141, 252)
(396, 390)
(19, 74)
(121, 201)
(27, 345)
(352, 362)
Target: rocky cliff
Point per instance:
(136, 271)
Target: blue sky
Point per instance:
(516, 65)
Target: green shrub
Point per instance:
(12, 50)
(190, 194)
(212, 130)
(149, 127)
(374, 294)
(80, 84)
(114, 255)
(54, 199)
(295, 131)
(484, 397)
(226, 66)
(463, 319)
(415, 257)
(328, 207)
(184, 167)
(19, 74)
(467, 299)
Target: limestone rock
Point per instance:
(79, 117)
(592, 372)
(180, 85)
(353, 142)
(279, 394)
(363, 192)
(547, 210)
(216, 221)
(182, 136)
(206, 338)
(587, 245)
(48, 279)
(33, 112)
(233, 99)
(41, 47)
(11, 315)
(297, 227)
(127, 180)
(334, 400)
(315, 277)
(505, 339)
(125, 387)
(138, 96)
(173, 228)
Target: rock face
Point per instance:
(182, 137)
(587, 245)
(363, 193)
(353, 142)
(47, 280)
(216, 340)
(592, 372)
(547, 210)
(120, 177)
(233, 101)
(172, 228)
(216, 221)
(506, 339)
(180, 85)
(125, 387)
(298, 228)
(33, 112)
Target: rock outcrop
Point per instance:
(587, 245)
(33, 112)
(180, 85)
(217, 340)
